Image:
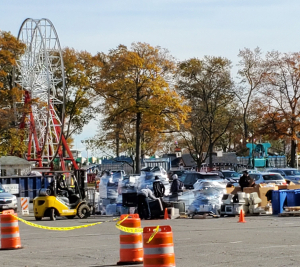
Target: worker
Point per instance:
(62, 186)
(246, 180)
(158, 187)
(143, 203)
(177, 186)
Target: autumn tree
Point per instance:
(207, 86)
(281, 89)
(10, 51)
(81, 70)
(251, 72)
(135, 88)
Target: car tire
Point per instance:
(15, 210)
(38, 218)
(52, 214)
(83, 211)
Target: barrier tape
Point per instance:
(57, 228)
(156, 230)
(135, 230)
(128, 229)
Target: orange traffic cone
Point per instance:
(159, 252)
(242, 217)
(166, 216)
(10, 236)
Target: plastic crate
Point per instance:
(279, 198)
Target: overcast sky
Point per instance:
(187, 28)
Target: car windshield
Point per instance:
(254, 176)
(275, 176)
(231, 174)
(182, 177)
(291, 172)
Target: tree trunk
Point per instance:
(138, 143)
(293, 152)
(210, 156)
(117, 142)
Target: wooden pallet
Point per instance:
(289, 213)
(295, 208)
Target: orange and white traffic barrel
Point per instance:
(131, 244)
(159, 250)
(10, 236)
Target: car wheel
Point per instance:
(52, 214)
(83, 211)
(38, 218)
(15, 210)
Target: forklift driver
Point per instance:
(62, 188)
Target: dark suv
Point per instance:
(190, 178)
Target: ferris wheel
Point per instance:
(41, 76)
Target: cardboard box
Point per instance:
(262, 194)
(295, 186)
(252, 189)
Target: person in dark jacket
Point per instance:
(177, 185)
(246, 180)
(158, 187)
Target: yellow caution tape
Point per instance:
(135, 230)
(128, 229)
(57, 228)
(156, 230)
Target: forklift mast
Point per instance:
(81, 177)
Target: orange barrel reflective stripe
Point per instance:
(131, 244)
(160, 250)
(10, 236)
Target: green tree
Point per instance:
(135, 87)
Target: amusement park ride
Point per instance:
(44, 89)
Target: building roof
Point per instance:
(12, 160)
(187, 160)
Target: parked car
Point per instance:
(268, 177)
(288, 173)
(190, 178)
(231, 175)
(7, 200)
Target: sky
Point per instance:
(187, 28)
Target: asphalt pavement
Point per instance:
(261, 241)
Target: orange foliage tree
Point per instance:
(135, 87)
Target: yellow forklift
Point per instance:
(61, 199)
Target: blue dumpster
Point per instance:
(279, 198)
(28, 186)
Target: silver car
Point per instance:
(7, 200)
(268, 177)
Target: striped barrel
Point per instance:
(160, 250)
(131, 244)
(10, 236)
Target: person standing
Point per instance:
(143, 203)
(177, 185)
(246, 180)
(158, 188)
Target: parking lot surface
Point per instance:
(261, 241)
